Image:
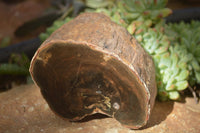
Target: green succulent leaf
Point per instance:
(181, 85)
(182, 75)
(197, 75)
(174, 95)
(13, 69)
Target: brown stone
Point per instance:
(92, 65)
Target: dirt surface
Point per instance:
(23, 110)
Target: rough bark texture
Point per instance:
(92, 65)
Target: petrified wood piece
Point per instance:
(92, 65)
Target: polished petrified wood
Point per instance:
(92, 65)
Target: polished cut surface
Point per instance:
(92, 65)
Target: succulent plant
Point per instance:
(99, 3)
(171, 72)
(187, 37)
(18, 65)
(144, 10)
(170, 60)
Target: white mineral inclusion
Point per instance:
(98, 92)
(116, 106)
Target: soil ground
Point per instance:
(24, 110)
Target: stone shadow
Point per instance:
(159, 113)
